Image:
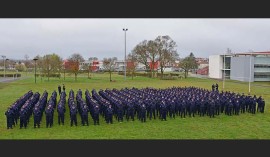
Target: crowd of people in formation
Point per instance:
(130, 104)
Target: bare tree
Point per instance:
(47, 65)
(152, 49)
(188, 63)
(26, 63)
(141, 54)
(166, 51)
(58, 64)
(74, 63)
(39, 64)
(131, 64)
(109, 65)
(51, 64)
(92, 66)
(20, 67)
(86, 68)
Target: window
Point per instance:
(262, 66)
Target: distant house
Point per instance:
(203, 71)
(203, 66)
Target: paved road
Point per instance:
(231, 81)
(197, 75)
(9, 79)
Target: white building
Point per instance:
(251, 66)
(216, 66)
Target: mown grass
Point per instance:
(244, 126)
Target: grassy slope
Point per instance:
(244, 126)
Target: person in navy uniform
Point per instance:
(49, 116)
(202, 108)
(183, 109)
(172, 109)
(163, 110)
(109, 114)
(120, 111)
(59, 89)
(253, 105)
(10, 118)
(85, 111)
(192, 108)
(130, 111)
(64, 87)
(216, 87)
(143, 113)
(237, 107)
(73, 115)
(230, 107)
(23, 120)
(61, 113)
(217, 106)
(152, 110)
(37, 117)
(262, 105)
(212, 109)
(96, 115)
(213, 87)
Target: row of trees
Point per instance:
(161, 50)
(50, 64)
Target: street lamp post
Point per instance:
(5, 67)
(35, 59)
(4, 60)
(224, 71)
(14, 70)
(125, 30)
(249, 74)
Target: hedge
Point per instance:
(10, 75)
(51, 75)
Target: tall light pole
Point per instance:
(35, 59)
(125, 30)
(249, 74)
(5, 67)
(223, 71)
(4, 60)
(14, 70)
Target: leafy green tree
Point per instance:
(188, 63)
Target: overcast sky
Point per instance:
(105, 37)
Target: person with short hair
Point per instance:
(10, 116)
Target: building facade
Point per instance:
(248, 67)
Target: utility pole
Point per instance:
(125, 30)
(35, 59)
(249, 74)
(4, 65)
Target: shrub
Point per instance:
(10, 75)
(51, 75)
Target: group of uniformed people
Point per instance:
(145, 103)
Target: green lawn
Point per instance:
(244, 126)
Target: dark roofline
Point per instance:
(254, 53)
